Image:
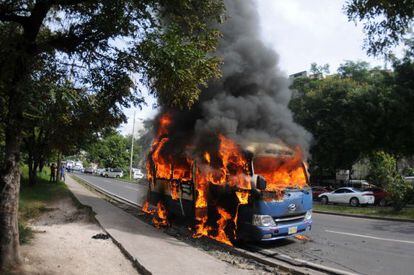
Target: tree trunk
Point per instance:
(35, 166)
(9, 200)
(41, 165)
(20, 57)
(59, 163)
(32, 170)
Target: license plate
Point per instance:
(292, 230)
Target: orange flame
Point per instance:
(174, 190)
(161, 219)
(201, 229)
(302, 237)
(222, 223)
(281, 172)
(226, 166)
(243, 196)
(145, 208)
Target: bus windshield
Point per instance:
(281, 172)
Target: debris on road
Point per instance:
(100, 236)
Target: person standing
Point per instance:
(62, 173)
(52, 172)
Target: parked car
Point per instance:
(380, 195)
(409, 179)
(137, 174)
(349, 195)
(88, 170)
(100, 171)
(317, 190)
(113, 173)
(77, 168)
(359, 184)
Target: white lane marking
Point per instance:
(370, 237)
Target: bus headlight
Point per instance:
(263, 220)
(308, 215)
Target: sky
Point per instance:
(301, 32)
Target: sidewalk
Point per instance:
(154, 251)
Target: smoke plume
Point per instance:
(250, 102)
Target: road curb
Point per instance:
(362, 216)
(138, 267)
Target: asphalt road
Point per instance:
(363, 246)
(134, 193)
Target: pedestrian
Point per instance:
(62, 173)
(52, 172)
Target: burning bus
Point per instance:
(234, 163)
(230, 192)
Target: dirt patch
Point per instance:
(63, 244)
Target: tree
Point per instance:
(110, 151)
(386, 23)
(382, 166)
(100, 44)
(347, 113)
(383, 171)
(358, 71)
(328, 109)
(319, 70)
(401, 105)
(356, 112)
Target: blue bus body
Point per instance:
(292, 215)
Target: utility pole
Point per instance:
(132, 148)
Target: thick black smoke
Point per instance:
(249, 103)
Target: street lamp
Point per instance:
(132, 147)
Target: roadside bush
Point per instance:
(400, 191)
(382, 166)
(25, 233)
(408, 171)
(384, 173)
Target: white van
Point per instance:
(113, 173)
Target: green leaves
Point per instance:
(384, 173)
(177, 67)
(74, 72)
(386, 23)
(110, 151)
(357, 111)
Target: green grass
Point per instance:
(388, 212)
(126, 178)
(34, 199)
